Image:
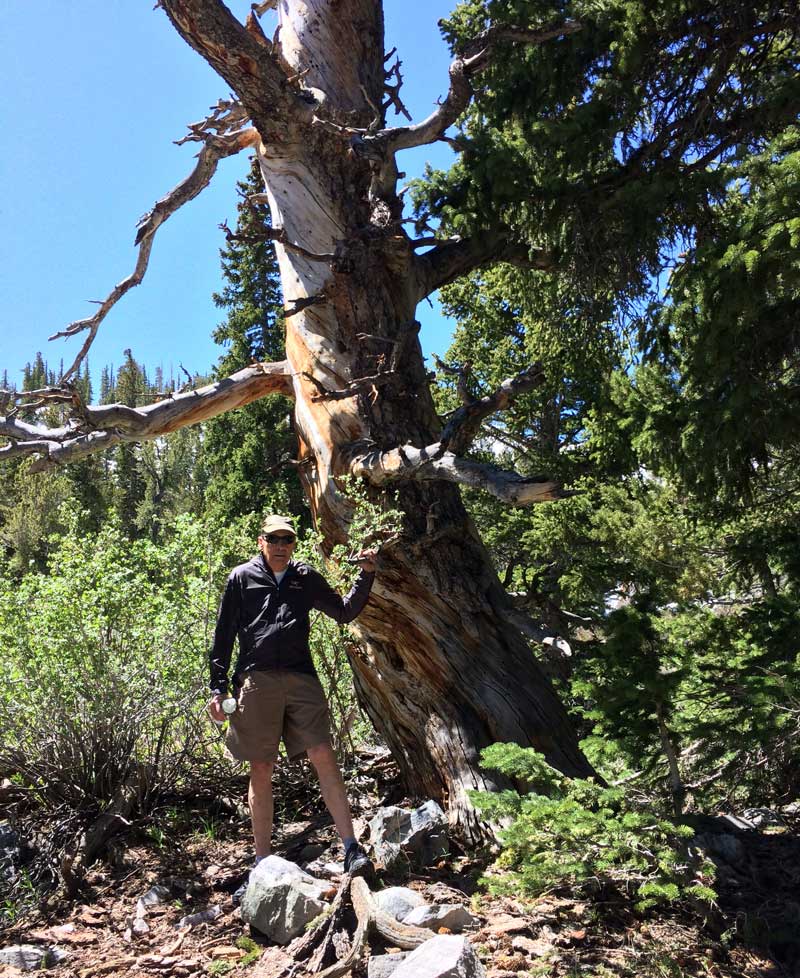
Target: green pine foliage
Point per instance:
(722, 353)
(246, 453)
(573, 833)
(607, 146)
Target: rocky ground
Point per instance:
(197, 855)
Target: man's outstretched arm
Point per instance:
(345, 609)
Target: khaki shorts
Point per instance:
(275, 705)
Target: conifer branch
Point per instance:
(459, 256)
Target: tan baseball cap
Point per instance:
(274, 523)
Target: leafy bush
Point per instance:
(576, 833)
(105, 665)
(105, 658)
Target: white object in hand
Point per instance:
(229, 705)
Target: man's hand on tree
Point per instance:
(215, 708)
(366, 560)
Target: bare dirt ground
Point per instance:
(201, 851)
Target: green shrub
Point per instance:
(721, 689)
(104, 665)
(578, 834)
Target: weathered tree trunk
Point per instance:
(445, 670)
(443, 673)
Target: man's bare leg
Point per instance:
(259, 797)
(332, 787)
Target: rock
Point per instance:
(762, 817)
(450, 915)
(728, 848)
(273, 963)
(325, 870)
(281, 899)
(29, 957)
(398, 901)
(140, 927)
(384, 965)
(66, 934)
(310, 852)
(536, 948)
(202, 917)
(154, 896)
(505, 924)
(443, 956)
(420, 834)
(227, 951)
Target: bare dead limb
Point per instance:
(371, 918)
(478, 52)
(393, 90)
(100, 427)
(261, 8)
(430, 463)
(13, 428)
(459, 256)
(462, 372)
(215, 149)
(227, 116)
(326, 941)
(465, 423)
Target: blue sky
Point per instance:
(96, 91)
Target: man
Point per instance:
(266, 605)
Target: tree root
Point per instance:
(331, 936)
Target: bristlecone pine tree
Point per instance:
(591, 134)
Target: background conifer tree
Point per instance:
(247, 452)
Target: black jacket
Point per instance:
(271, 620)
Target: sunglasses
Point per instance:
(278, 538)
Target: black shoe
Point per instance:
(357, 862)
